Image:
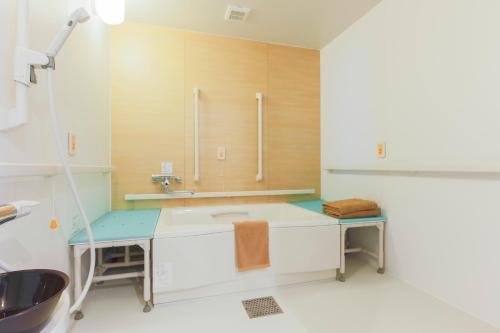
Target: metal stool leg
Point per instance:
(381, 246)
(147, 277)
(341, 270)
(77, 254)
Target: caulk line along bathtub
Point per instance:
(194, 250)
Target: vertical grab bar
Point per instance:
(259, 137)
(18, 115)
(196, 93)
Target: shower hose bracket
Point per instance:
(26, 60)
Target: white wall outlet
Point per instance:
(221, 153)
(72, 144)
(381, 153)
(167, 168)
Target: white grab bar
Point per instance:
(259, 140)
(196, 93)
(186, 195)
(19, 170)
(19, 114)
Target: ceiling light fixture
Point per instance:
(110, 11)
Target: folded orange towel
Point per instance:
(341, 207)
(252, 245)
(361, 213)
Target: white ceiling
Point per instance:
(304, 23)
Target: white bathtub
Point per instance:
(194, 255)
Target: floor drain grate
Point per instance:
(260, 307)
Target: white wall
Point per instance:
(82, 101)
(424, 76)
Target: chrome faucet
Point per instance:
(165, 181)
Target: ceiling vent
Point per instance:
(237, 13)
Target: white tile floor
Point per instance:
(366, 303)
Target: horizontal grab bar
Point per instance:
(401, 172)
(166, 196)
(8, 170)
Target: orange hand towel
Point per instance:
(350, 206)
(252, 245)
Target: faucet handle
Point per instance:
(177, 179)
(157, 178)
(163, 177)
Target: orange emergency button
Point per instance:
(381, 150)
(53, 224)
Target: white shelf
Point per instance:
(170, 196)
(8, 170)
(412, 172)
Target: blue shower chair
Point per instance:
(346, 224)
(121, 228)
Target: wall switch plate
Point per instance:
(72, 144)
(221, 153)
(167, 168)
(381, 150)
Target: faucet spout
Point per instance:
(166, 181)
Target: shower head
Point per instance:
(78, 16)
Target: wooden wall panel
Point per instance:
(147, 65)
(229, 72)
(154, 71)
(294, 118)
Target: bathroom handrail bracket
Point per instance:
(26, 61)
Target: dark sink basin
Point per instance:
(28, 298)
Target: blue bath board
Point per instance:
(121, 225)
(317, 206)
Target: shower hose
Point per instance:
(71, 182)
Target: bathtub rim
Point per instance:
(163, 230)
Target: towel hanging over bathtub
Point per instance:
(252, 245)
